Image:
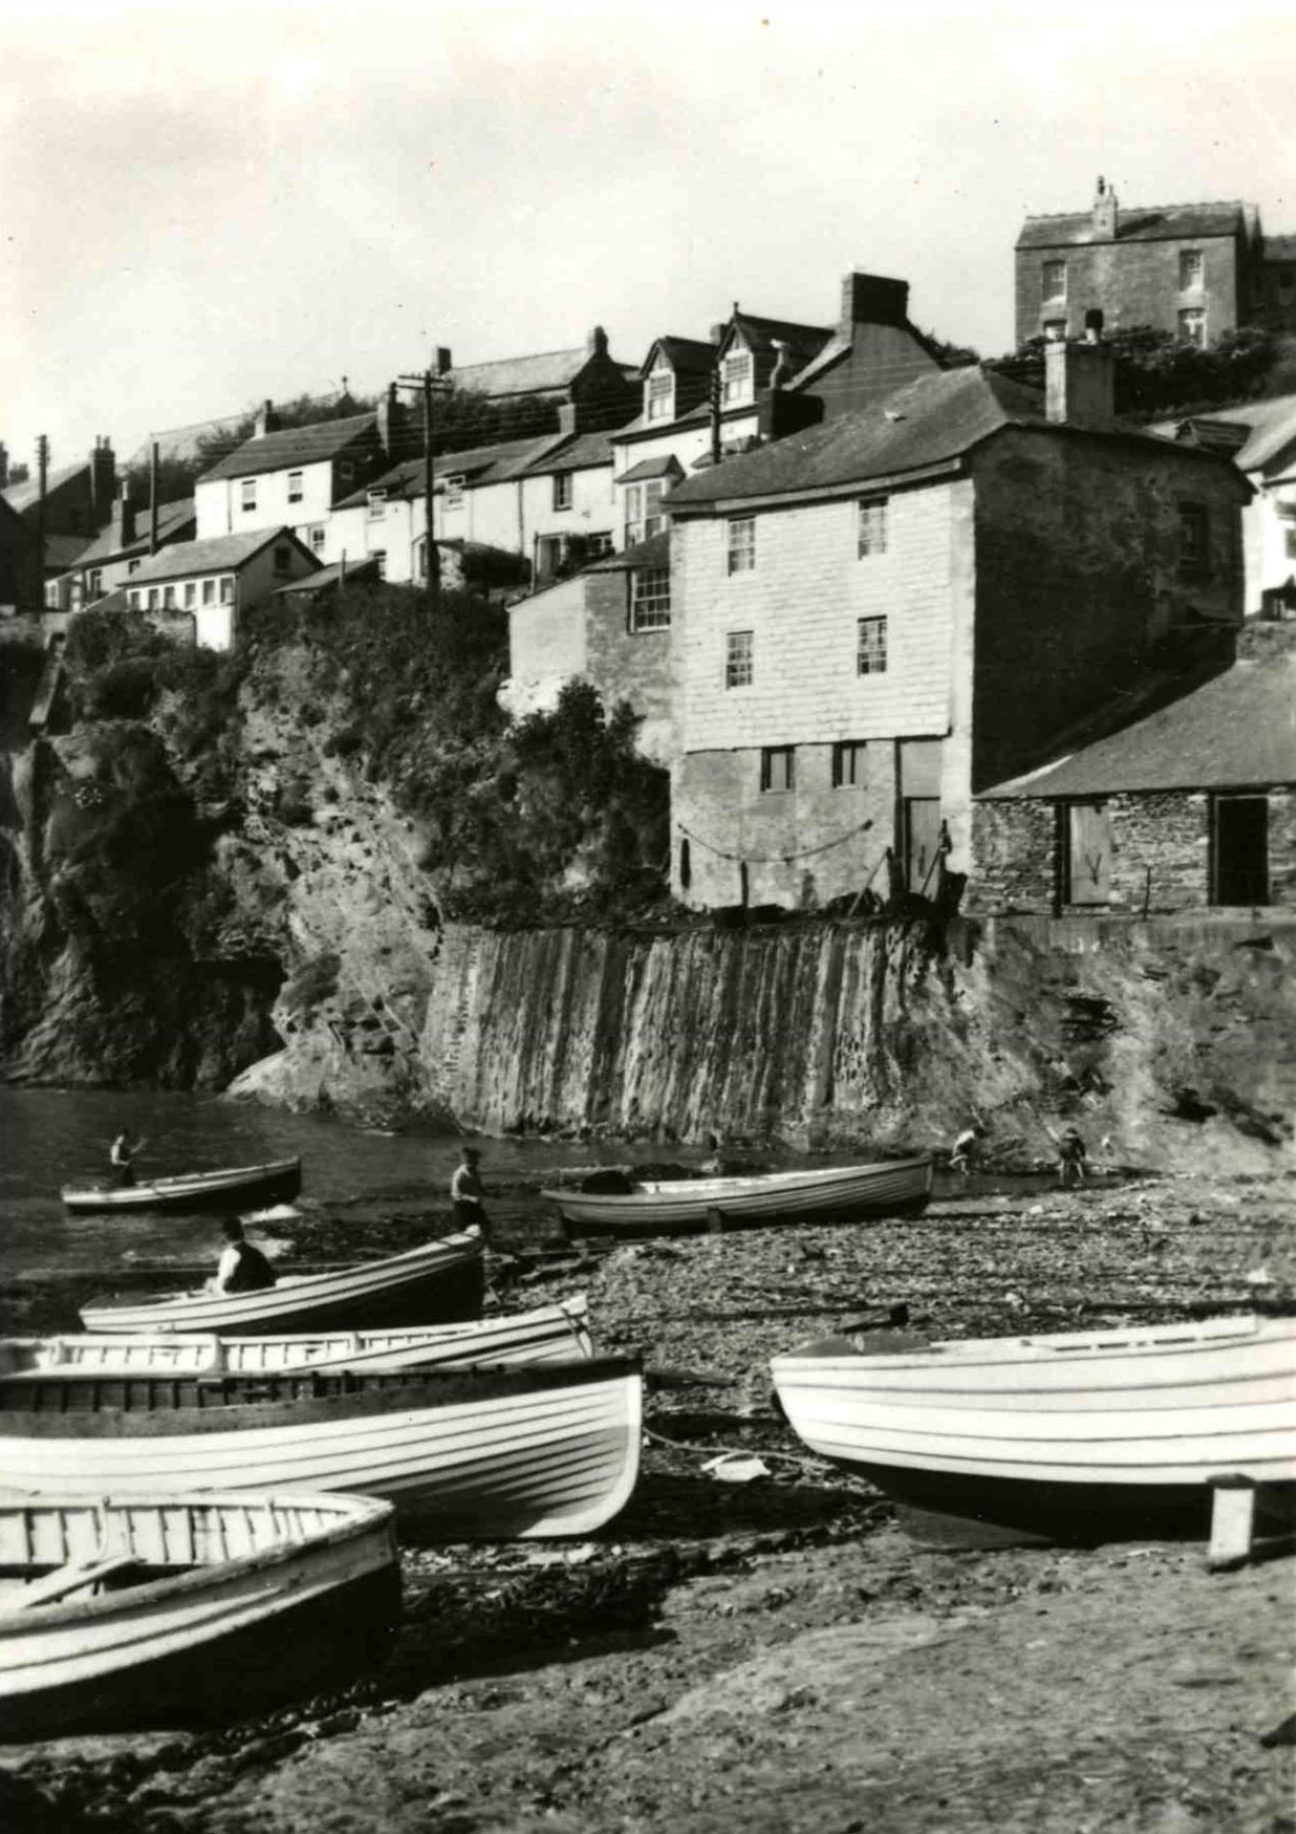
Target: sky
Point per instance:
(202, 207)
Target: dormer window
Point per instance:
(454, 489)
(736, 377)
(659, 394)
(377, 505)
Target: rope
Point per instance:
(775, 859)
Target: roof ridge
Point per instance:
(565, 350)
(1205, 203)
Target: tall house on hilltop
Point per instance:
(1194, 270)
(587, 380)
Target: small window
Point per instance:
(850, 764)
(454, 489)
(871, 654)
(191, 594)
(778, 768)
(599, 544)
(659, 401)
(168, 598)
(209, 592)
(380, 556)
(134, 597)
(562, 490)
(227, 589)
(736, 377)
(650, 606)
(1055, 330)
(1053, 280)
(1192, 326)
(1190, 270)
(317, 538)
(133, 567)
(249, 493)
(872, 526)
(739, 658)
(282, 558)
(1194, 540)
(154, 598)
(742, 544)
(294, 486)
(346, 471)
(377, 505)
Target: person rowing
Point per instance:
(121, 1159)
(243, 1268)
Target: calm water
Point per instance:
(50, 1138)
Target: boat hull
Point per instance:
(235, 1188)
(690, 1205)
(206, 1644)
(553, 1333)
(441, 1282)
(1078, 1438)
(487, 1454)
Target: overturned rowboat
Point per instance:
(1077, 1437)
(438, 1282)
(173, 1608)
(549, 1449)
(231, 1188)
(551, 1333)
(841, 1193)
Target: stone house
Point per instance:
(1196, 270)
(610, 626)
(876, 619)
(1190, 806)
(599, 391)
(294, 477)
(217, 582)
(78, 503)
(1261, 438)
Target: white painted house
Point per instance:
(220, 580)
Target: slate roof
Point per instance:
(1266, 429)
(325, 578)
(655, 552)
(1279, 248)
(172, 519)
(577, 452)
(1149, 223)
(479, 464)
(664, 466)
(549, 371)
(63, 552)
(687, 356)
(217, 554)
(22, 496)
(804, 342)
(291, 447)
(1238, 731)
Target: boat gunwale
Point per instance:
(178, 1183)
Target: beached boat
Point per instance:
(552, 1449)
(810, 1195)
(239, 1187)
(551, 1333)
(173, 1608)
(438, 1282)
(1076, 1436)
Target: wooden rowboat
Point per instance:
(170, 1608)
(552, 1449)
(438, 1282)
(824, 1194)
(234, 1188)
(551, 1333)
(1076, 1437)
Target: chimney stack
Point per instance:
(1079, 384)
(596, 342)
(1104, 212)
(391, 420)
(872, 299)
(566, 419)
(267, 421)
(123, 517)
(441, 364)
(103, 480)
(717, 333)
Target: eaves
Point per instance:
(820, 493)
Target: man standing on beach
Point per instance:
(467, 1192)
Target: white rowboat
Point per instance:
(1064, 1434)
(820, 1194)
(552, 1449)
(172, 1608)
(438, 1281)
(236, 1187)
(551, 1333)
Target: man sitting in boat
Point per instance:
(243, 1268)
(467, 1192)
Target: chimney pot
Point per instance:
(597, 343)
(1079, 384)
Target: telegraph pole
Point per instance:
(42, 472)
(429, 384)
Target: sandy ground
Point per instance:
(777, 1656)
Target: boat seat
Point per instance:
(73, 1579)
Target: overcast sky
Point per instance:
(204, 206)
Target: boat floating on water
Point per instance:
(436, 1283)
(551, 1449)
(551, 1333)
(233, 1188)
(1077, 1437)
(838, 1193)
(173, 1608)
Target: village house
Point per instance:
(1190, 806)
(20, 566)
(294, 477)
(119, 550)
(609, 626)
(598, 391)
(218, 581)
(876, 619)
(1260, 436)
(77, 503)
(1195, 270)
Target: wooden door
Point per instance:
(922, 835)
(1089, 854)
